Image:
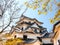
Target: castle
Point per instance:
(32, 33)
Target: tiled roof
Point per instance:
(55, 25)
(25, 17)
(48, 35)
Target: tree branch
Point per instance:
(24, 11)
(7, 5)
(6, 26)
(11, 18)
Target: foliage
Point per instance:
(43, 7)
(13, 41)
(56, 17)
(7, 35)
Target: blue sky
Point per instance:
(32, 14)
(43, 18)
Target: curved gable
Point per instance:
(56, 24)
